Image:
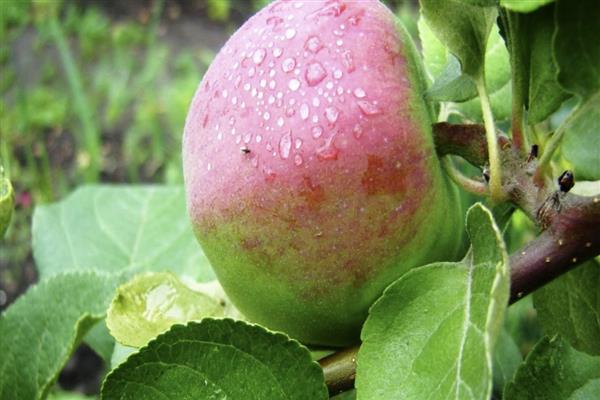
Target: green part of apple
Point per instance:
(311, 175)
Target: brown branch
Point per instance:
(572, 237)
(340, 369)
(570, 228)
(466, 141)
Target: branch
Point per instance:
(340, 370)
(572, 237)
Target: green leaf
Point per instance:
(524, 6)
(218, 359)
(7, 203)
(581, 143)
(435, 54)
(151, 303)
(500, 101)
(545, 94)
(590, 390)
(497, 81)
(432, 333)
(554, 370)
(452, 85)
(507, 359)
(463, 28)
(576, 46)
(570, 306)
(534, 69)
(112, 228)
(43, 327)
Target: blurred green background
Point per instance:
(98, 91)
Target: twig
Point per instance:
(468, 184)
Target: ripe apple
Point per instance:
(311, 177)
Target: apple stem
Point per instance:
(496, 192)
(468, 184)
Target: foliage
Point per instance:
(130, 251)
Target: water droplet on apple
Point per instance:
(315, 73)
(285, 145)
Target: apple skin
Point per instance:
(311, 177)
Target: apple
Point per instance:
(311, 176)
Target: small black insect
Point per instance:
(566, 181)
(533, 153)
(244, 150)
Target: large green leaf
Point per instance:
(218, 359)
(451, 84)
(151, 303)
(507, 359)
(554, 370)
(432, 333)
(581, 143)
(112, 228)
(570, 306)
(42, 328)
(534, 69)
(463, 28)
(576, 46)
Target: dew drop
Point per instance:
(263, 83)
(277, 52)
(304, 111)
(267, 116)
(315, 73)
(288, 64)
(313, 44)
(285, 145)
(348, 61)
(317, 131)
(316, 102)
(247, 137)
(294, 84)
(337, 74)
(359, 93)
(290, 33)
(339, 42)
(298, 160)
(332, 114)
(368, 108)
(297, 143)
(328, 151)
(258, 138)
(259, 56)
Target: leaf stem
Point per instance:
(497, 194)
(468, 184)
